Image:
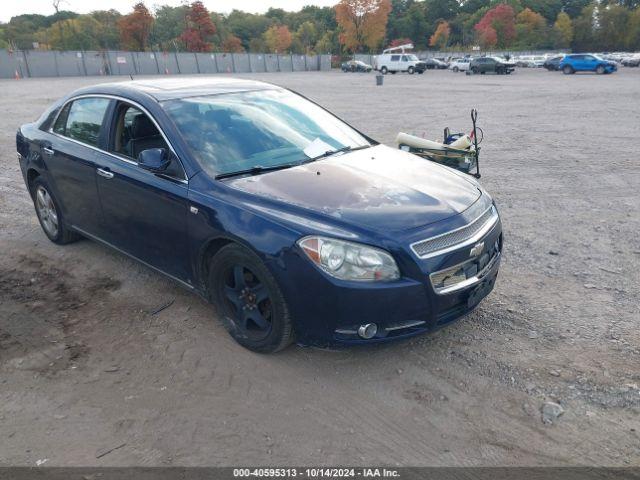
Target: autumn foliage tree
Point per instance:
(531, 28)
(362, 22)
(441, 36)
(135, 28)
(198, 28)
(232, 44)
(497, 27)
(278, 38)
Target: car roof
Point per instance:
(162, 89)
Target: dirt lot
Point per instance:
(86, 366)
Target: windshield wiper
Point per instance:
(255, 170)
(328, 153)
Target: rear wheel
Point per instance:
(249, 300)
(49, 214)
(474, 70)
(600, 70)
(567, 70)
(384, 70)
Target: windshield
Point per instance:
(413, 58)
(260, 129)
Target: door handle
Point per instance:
(104, 173)
(48, 150)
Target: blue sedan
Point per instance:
(586, 63)
(295, 225)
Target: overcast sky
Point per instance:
(10, 8)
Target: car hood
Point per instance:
(378, 188)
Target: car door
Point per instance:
(590, 63)
(144, 213)
(70, 157)
(395, 63)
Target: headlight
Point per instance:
(349, 260)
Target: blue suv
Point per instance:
(586, 63)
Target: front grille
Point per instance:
(436, 245)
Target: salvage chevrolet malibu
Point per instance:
(295, 225)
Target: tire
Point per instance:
(420, 72)
(600, 70)
(567, 70)
(474, 70)
(393, 72)
(249, 300)
(455, 69)
(50, 215)
(411, 70)
(384, 70)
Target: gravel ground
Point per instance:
(87, 367)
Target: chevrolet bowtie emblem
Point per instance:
(477, 249)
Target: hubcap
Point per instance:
(248, 302)
(47, 211)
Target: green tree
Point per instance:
(612, 22)
(563, 28)
(248, 25)
(633, 35)
(169, 24)
(307, 36)
(584, 34)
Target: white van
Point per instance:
(395, 59)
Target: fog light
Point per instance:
(368, 330)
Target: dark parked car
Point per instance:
(355, 66)
(294, 224)
(553, 64)
(585, 62)
(435, 63)
(491, 64)
(633, 61)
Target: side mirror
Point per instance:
(154, 159)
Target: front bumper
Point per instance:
(327, 311)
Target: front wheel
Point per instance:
(474, 70)
(567, 70)
(249, 300)
(411, 70)
(601, 70)
(456, 69)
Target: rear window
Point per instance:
(82, 120)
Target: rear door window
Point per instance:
(82, 120)
(395, 58)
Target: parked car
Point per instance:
(586, 63)
(399, 62)
(632, 61)
(491, 64)
(459, 64)
(436, 63)
(356, 66)
(294, 224)
(553, 63)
